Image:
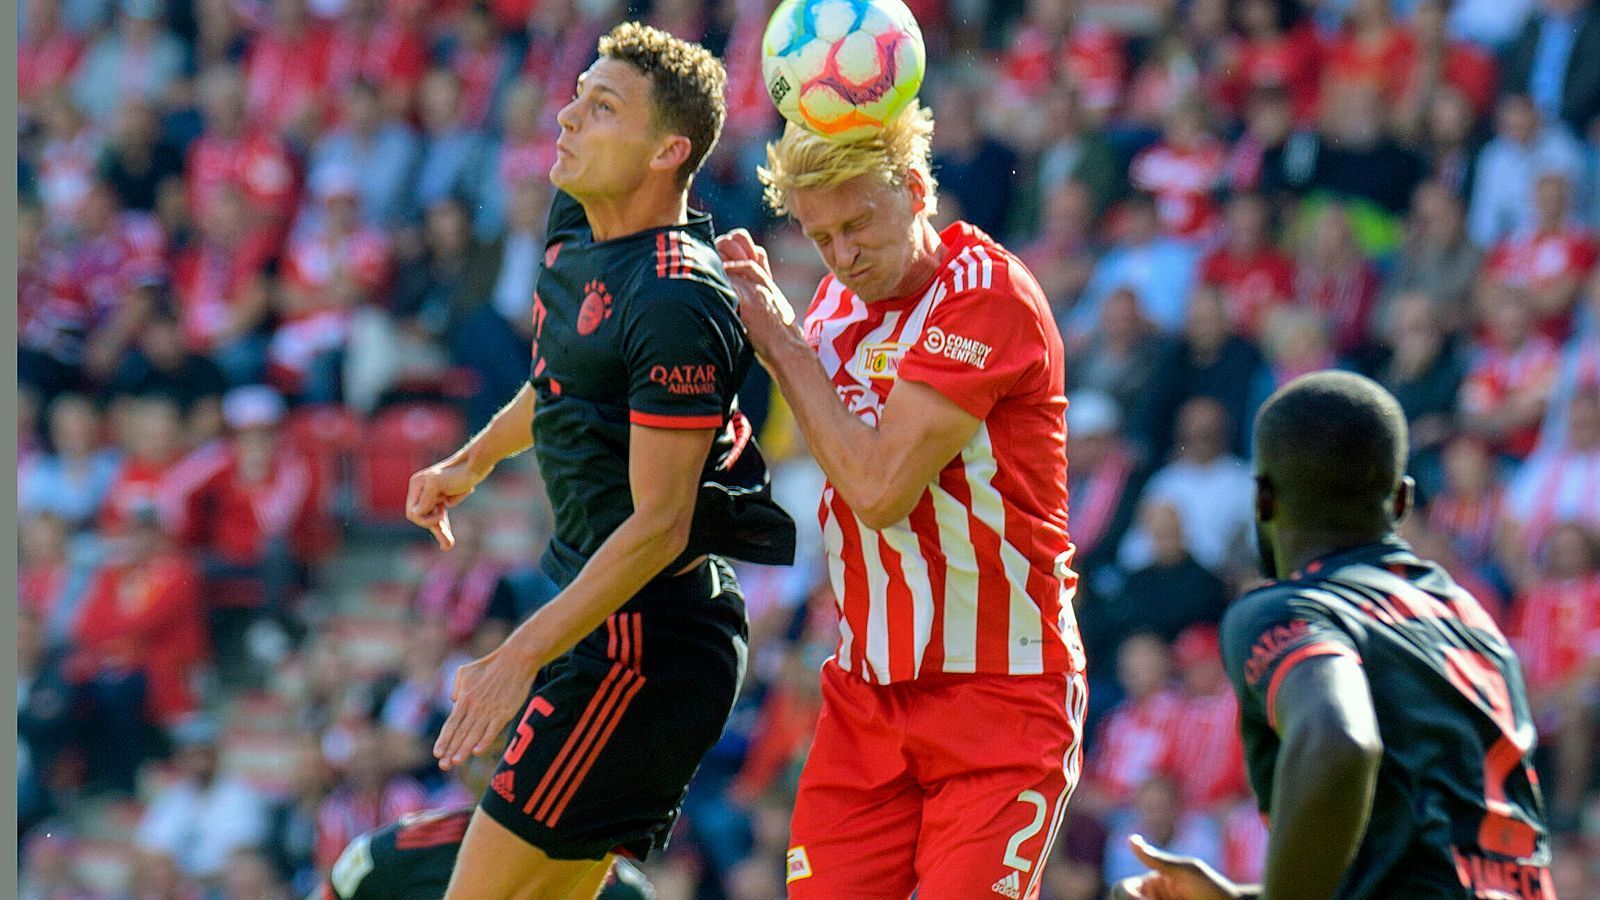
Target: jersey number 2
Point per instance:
(1477, 678)
(1014, 857)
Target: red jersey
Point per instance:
(209, 279)
(1386, 64)
(285, 75)
(976, 579)
(95, 275)
(479, 72)
(1555, 628)
(391, 55)
(1133, 744)
(1205, 754)
(1183, 181)
(138, 482)
(1496, 375)
(1252, 286)
(146, 616)
(1293, 62)
(1345, 298)
(256, 164)
(1537, 260)
(43, 64)
(346, 815)
(313, 262)
(235, 518)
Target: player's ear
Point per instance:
(1404, 496)
(672, 153)
(1266, 499)
(917, 186)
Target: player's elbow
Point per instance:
(667, 531)
(883, 510)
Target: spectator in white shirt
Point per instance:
(200, 819)
(1524, 147)
(1212, 491)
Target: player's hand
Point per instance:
(767, 315)
(486, 696)
(1172, 877)
(433, 492)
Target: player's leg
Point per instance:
(1004, 753)
(496, 864)
(856, 817)
(592, 884)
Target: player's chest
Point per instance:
(862, 350)
(577, 326)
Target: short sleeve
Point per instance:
(976, 347)
(1267, 634)
(679, 351)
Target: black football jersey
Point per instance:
(1457, 810)
(642, 330)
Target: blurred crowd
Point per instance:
(276, 254)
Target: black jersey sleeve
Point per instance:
(680, 345)
(1267, 633)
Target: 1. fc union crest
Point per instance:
(596, 307)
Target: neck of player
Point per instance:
(1294, 548)
(651, 206)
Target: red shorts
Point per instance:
(952, 785)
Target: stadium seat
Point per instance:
(399, 441)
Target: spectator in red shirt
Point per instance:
(1052, 42)
(232, 151)
(482, 63)
(1275, 49)
(371, 795)
(1131, 743)
(151, 431)
(328, 272)
(1555, 628)
(1252, 274)
(1560, 482)
(1550, 261)
(47, 53)
(462, 590)
(1204, 753)
(1512, 374)
(1469, 509)
(1182, 171)
(1336, 280)
(139, 640)
(250, 506)
(387, 51)
(286, 73)
(222, 289)
(1372, 49)
(1438, 61)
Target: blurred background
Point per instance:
(277, 254)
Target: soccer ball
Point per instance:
(842, 68)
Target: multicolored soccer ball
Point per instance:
(842, 68)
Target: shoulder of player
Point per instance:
(1268, 604)
(987, 273)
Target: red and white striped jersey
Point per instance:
(1204, 752)
(1132, 744)
(977, 578)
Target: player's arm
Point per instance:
(664, 467)
(1325, 775)
(880, 471)
(444, 484)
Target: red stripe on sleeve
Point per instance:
(1301, 654)
(682, 423)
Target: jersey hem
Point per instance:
(682, 423)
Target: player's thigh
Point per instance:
(854, 829)
(988, 824)
(495, 864)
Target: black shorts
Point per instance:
(601, 757)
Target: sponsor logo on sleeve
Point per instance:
(956, 348)
(1271, 647)
(686, 381)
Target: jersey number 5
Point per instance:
(524, 736)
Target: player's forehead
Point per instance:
(828, 208)
(615, 77)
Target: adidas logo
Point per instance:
(1009, 886)
(505, 785)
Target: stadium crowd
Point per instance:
(276, 254)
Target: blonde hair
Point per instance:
(802, 159)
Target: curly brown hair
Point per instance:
(687, 85)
